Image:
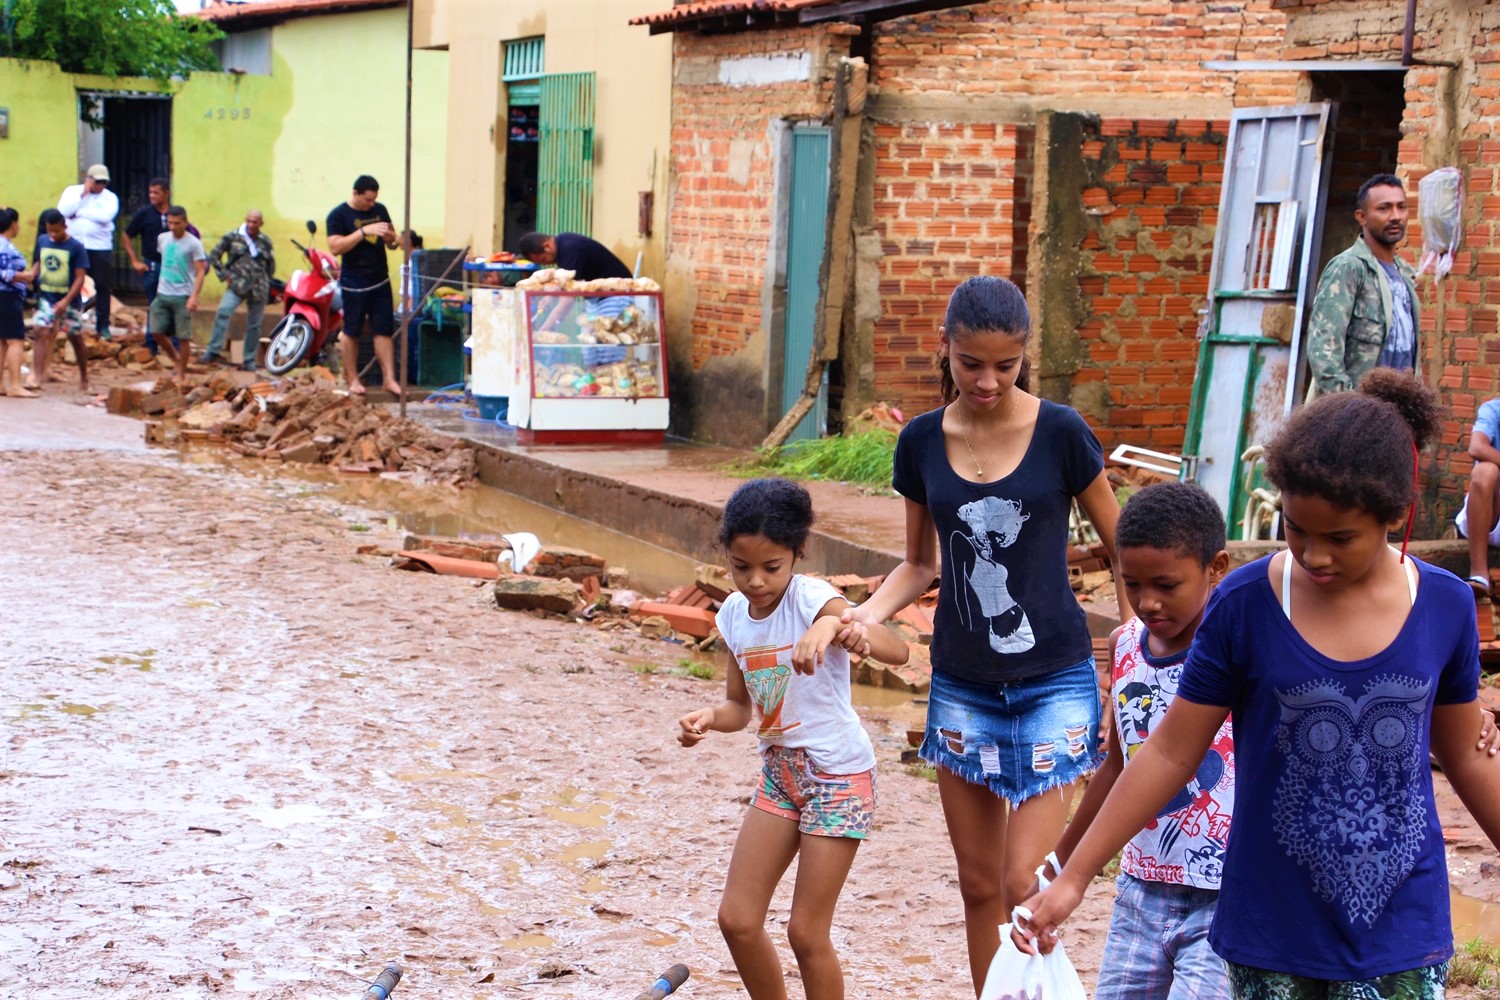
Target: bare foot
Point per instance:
(15, 393)
(393, 389)
(54, 377)
(31, 386)
(356, 389)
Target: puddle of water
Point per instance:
(917, 959)
(144, 660)
(593, 816)
(280, 819)
(591, 850)
(595, 883)
(528, 941)
(477, 512)
(661, 939)
(863, 695)
(1474, 918)
(87, 711)
(350, 674)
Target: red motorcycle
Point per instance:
(311, 318)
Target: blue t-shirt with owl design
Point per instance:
(1335, 867)
(1006, 610)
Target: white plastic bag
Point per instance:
(1015, 975)
(1440, 199)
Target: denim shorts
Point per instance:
(1019, 738)
(1157, 948)
(1428, 983)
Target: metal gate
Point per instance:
(1250, 362)
(807, 220)
(137, 147)
(565, 169)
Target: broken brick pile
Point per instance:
(308, 419)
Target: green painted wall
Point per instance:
(289, 144)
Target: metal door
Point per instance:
(1250, 362)
(565, 168)
(137, 147)
(807, 220)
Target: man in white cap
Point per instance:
(90, 209)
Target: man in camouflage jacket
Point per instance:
(1365, 313)
(245, 260)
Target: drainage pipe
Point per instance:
(1408, 35)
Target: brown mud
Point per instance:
(235, 757)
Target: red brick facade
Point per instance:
(1152, 206)
(1451, 118)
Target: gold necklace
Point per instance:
(978, 471)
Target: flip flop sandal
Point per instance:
(1479, 584)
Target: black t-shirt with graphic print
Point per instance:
(366, 259)
(1005, 608)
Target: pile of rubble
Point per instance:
(567, 581)
(308, 419)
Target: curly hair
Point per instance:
(1174, 517)
(985, 304)
(779, 509)
(1354, 449)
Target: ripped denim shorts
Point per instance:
(1018, 738)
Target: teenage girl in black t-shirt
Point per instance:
(1013, 716)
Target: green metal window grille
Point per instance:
(524, 59)
(565, 181)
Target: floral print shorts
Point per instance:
(1429, 983)
(822, 804)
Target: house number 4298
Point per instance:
(227, 114)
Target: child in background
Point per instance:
(817, 787)
(1344, 663)
(60, 262)
(1169, 556)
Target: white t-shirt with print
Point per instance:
(792, 709)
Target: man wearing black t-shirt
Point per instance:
(587, 259)
(360, 232)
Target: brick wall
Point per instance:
(1093, 50)
(1151, 201)
(724, 167)
(1451, 118)
(945, 209)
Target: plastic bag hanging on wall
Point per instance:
(1441, 198)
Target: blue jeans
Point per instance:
(1157, 948)
(1019, 738)
(254, 309)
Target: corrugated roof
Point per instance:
(701, 9)
(239, 16)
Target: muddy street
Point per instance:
(237, 757)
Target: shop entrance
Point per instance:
(522, 144)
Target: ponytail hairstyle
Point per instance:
(1358, 450)
(8, 217)
(985, 304)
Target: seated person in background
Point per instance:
(587, 259)
(1479, 520)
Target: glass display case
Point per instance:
(593, 367)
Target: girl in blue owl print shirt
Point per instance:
(989, 480)
(1344, 661)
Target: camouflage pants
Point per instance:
(1415, 984)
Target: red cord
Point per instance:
(1411, 515)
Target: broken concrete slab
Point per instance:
(306, 451)
(714, 581)
(536, 593)
(696, 622)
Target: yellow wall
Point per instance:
(632, 114)
(289, 144)
(41, 156)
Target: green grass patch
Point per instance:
(696, 669)
(1475, 964)
(643, 668)
(921, 769)
(865, 458)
